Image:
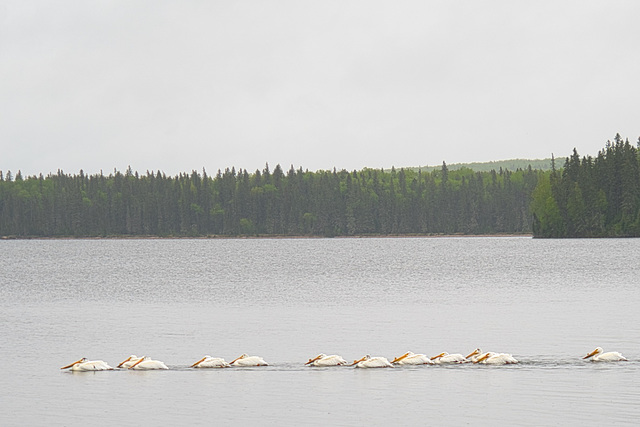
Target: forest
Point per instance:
(588, 197)
(268, 203)
(591, 197)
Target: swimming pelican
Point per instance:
(324, 360)
(246, 360)
(445, 357)
(88, 365)
(210, 362)
(597, 355)
(410, 358)
(372, 362)
(473, 356)
(146, 363)
(491, 358)
(129, 361)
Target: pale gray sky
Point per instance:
(181, 85)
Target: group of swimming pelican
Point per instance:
(145, 363)
(408, 358)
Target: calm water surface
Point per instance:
(548, 302)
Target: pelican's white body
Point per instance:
(147, 364)
(246, 360)
(598, 355)
(373, 362)
(445, 358)
(324, 360)
(84, 365)
(410, 358)
(491, 358)
(211, 362)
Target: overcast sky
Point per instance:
(178, 86)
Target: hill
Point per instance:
(512, 165)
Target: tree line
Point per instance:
(586, 197)
(591, 197)
(268, 202)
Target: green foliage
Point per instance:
(322, 203)
(591, 197)
(246, 226)
(546, 215)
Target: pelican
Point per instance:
(445, 357)
(372, 362)
(88, 365)
(491, 358)
(597, 355)
(410, 358)
(146, 363)
(324, 360)
(246, 360)
(129, 361)
(210, 362)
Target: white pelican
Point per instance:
(597, 355)
(491, 358)
(146, 363)
(445, 357)
(210, 362)
(246, 360)
(88, 365)
(129, 361)
(410, 358)
(473, 356)
(324, 360)
(372, 362)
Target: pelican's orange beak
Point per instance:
(312, 360)
(234, 360)
(486, 356)
(355, 362)
(397, 359)
(590, 354)
(68, 366)
(198, 362)
(473, 353)
(438, 356)
(137, 363)
(123, 362)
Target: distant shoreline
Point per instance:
(266, 236)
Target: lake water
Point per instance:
(548, 302)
